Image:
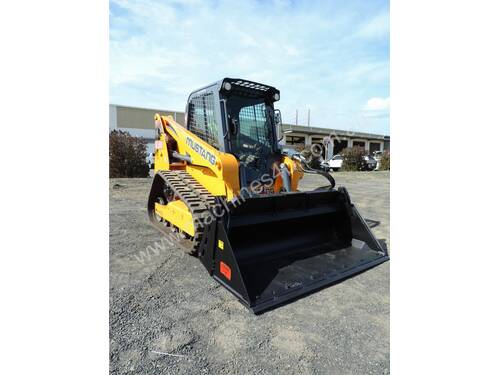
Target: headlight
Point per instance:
(276, 96)
(227, 86)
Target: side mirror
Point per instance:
(277, 117)
(279, 124)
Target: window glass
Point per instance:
(254, 124)
(202, 121)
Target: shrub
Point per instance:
(353, 158)
(385, 161)
(127, 155)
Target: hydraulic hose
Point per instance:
(306, 169)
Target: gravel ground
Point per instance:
(168, 316)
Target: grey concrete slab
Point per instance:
(168, 316)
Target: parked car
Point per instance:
(369, 163)
(150, 159)
(377, 155)
(334, 164)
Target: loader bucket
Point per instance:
(271, 249)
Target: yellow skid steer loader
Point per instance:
(226, 189)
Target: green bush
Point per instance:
(353, 158)
(127, 155)
(385, 161)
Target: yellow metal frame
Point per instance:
(178, 214)
(220, 177)
(295, 175)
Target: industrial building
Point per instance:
(139, 123)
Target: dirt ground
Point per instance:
(168, 316)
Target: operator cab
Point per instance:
(238, 117)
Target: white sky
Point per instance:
(331, 57)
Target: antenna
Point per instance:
(309, 117)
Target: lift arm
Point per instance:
(217, 171)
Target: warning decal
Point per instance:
(225, 270)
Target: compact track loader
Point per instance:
(228, 192)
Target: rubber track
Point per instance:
(198, 200)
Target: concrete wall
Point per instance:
(141, 118)
(350, 141)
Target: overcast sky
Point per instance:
(329, 56)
